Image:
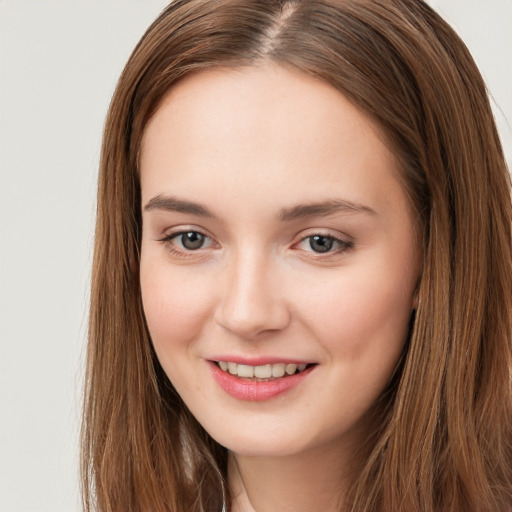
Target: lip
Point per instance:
(257, 361)
(254, 391)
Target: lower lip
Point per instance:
(254, 391)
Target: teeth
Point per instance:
(278, 370)
(245, 371)
(263, 372)
(266, 371)
(290, 369)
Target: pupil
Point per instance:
(192, 240)
(321, 243)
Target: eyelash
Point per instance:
(183, 253)
(343, 245)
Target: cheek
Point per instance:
(175, 306)
(362, 323)
(360, 315)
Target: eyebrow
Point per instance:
(324, 208)
(173, 204)
(320, 209)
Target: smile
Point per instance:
(259, 382)
(262, 373)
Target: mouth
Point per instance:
(261, 377)
(262, 373)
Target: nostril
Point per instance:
(249, 302)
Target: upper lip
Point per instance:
(259, 361)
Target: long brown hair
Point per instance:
(444, 435)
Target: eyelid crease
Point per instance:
(171, 236)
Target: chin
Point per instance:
(267, 443)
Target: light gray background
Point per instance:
(59, 61)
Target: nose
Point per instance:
(251, 298)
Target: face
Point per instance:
(278, 261)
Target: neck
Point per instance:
(307, 482)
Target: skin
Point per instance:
(248, 145)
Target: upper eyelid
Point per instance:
(175, 231)
(338, 239)
(328, 233)
(171, 236)
(183, 252)
(179, 230)
(344, 243)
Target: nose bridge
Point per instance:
(251, 299)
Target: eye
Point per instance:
(322, 244)
(183, 242)
(191, 240)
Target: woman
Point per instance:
(302, 280)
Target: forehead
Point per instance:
(245, 127)
(237, 96)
